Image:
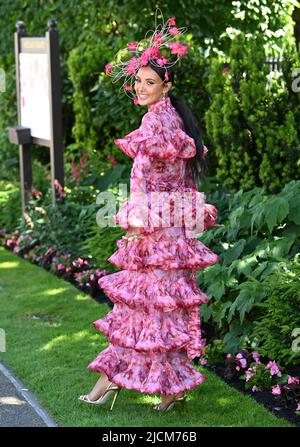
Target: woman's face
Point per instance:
(149, 87)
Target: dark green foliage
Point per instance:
(101, 244)
(61, 226)
(10, 205)
(261, 232)
(252, 119)
(10, 195)
(276, 330)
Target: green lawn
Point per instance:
(50, 341)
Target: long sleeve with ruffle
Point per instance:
(125, 143)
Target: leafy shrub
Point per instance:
(261, 232)
(273, 330)
(61, 225)
(10, 205)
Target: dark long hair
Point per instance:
(197, 165)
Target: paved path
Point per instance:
(18, 406)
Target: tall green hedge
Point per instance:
(253, 117)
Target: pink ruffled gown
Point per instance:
(153, 329)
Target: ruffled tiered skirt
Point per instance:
(153, 329)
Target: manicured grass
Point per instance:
(50, 341)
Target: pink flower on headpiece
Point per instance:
(132, 46)
(166, 75)
(135, 100)
(147, 54)
(132, 65)
(174, 31)
(144, 58)
(107, 69)
(154, 52)
(127, 87)
(162, 60)
(172, 21)
(177, 48)
(157, 39)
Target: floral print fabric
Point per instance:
(154, 329)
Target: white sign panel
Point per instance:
(34, 94)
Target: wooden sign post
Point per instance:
(39, 104)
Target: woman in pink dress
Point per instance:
(153, 329)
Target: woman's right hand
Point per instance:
(132, 234)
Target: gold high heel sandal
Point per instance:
(110, 390)
(115, 398)
(170, 404)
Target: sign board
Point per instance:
(34, 94)
(39, 105)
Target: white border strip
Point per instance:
(28, 396)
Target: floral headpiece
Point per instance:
(154, 48)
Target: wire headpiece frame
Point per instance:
(160, 47)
